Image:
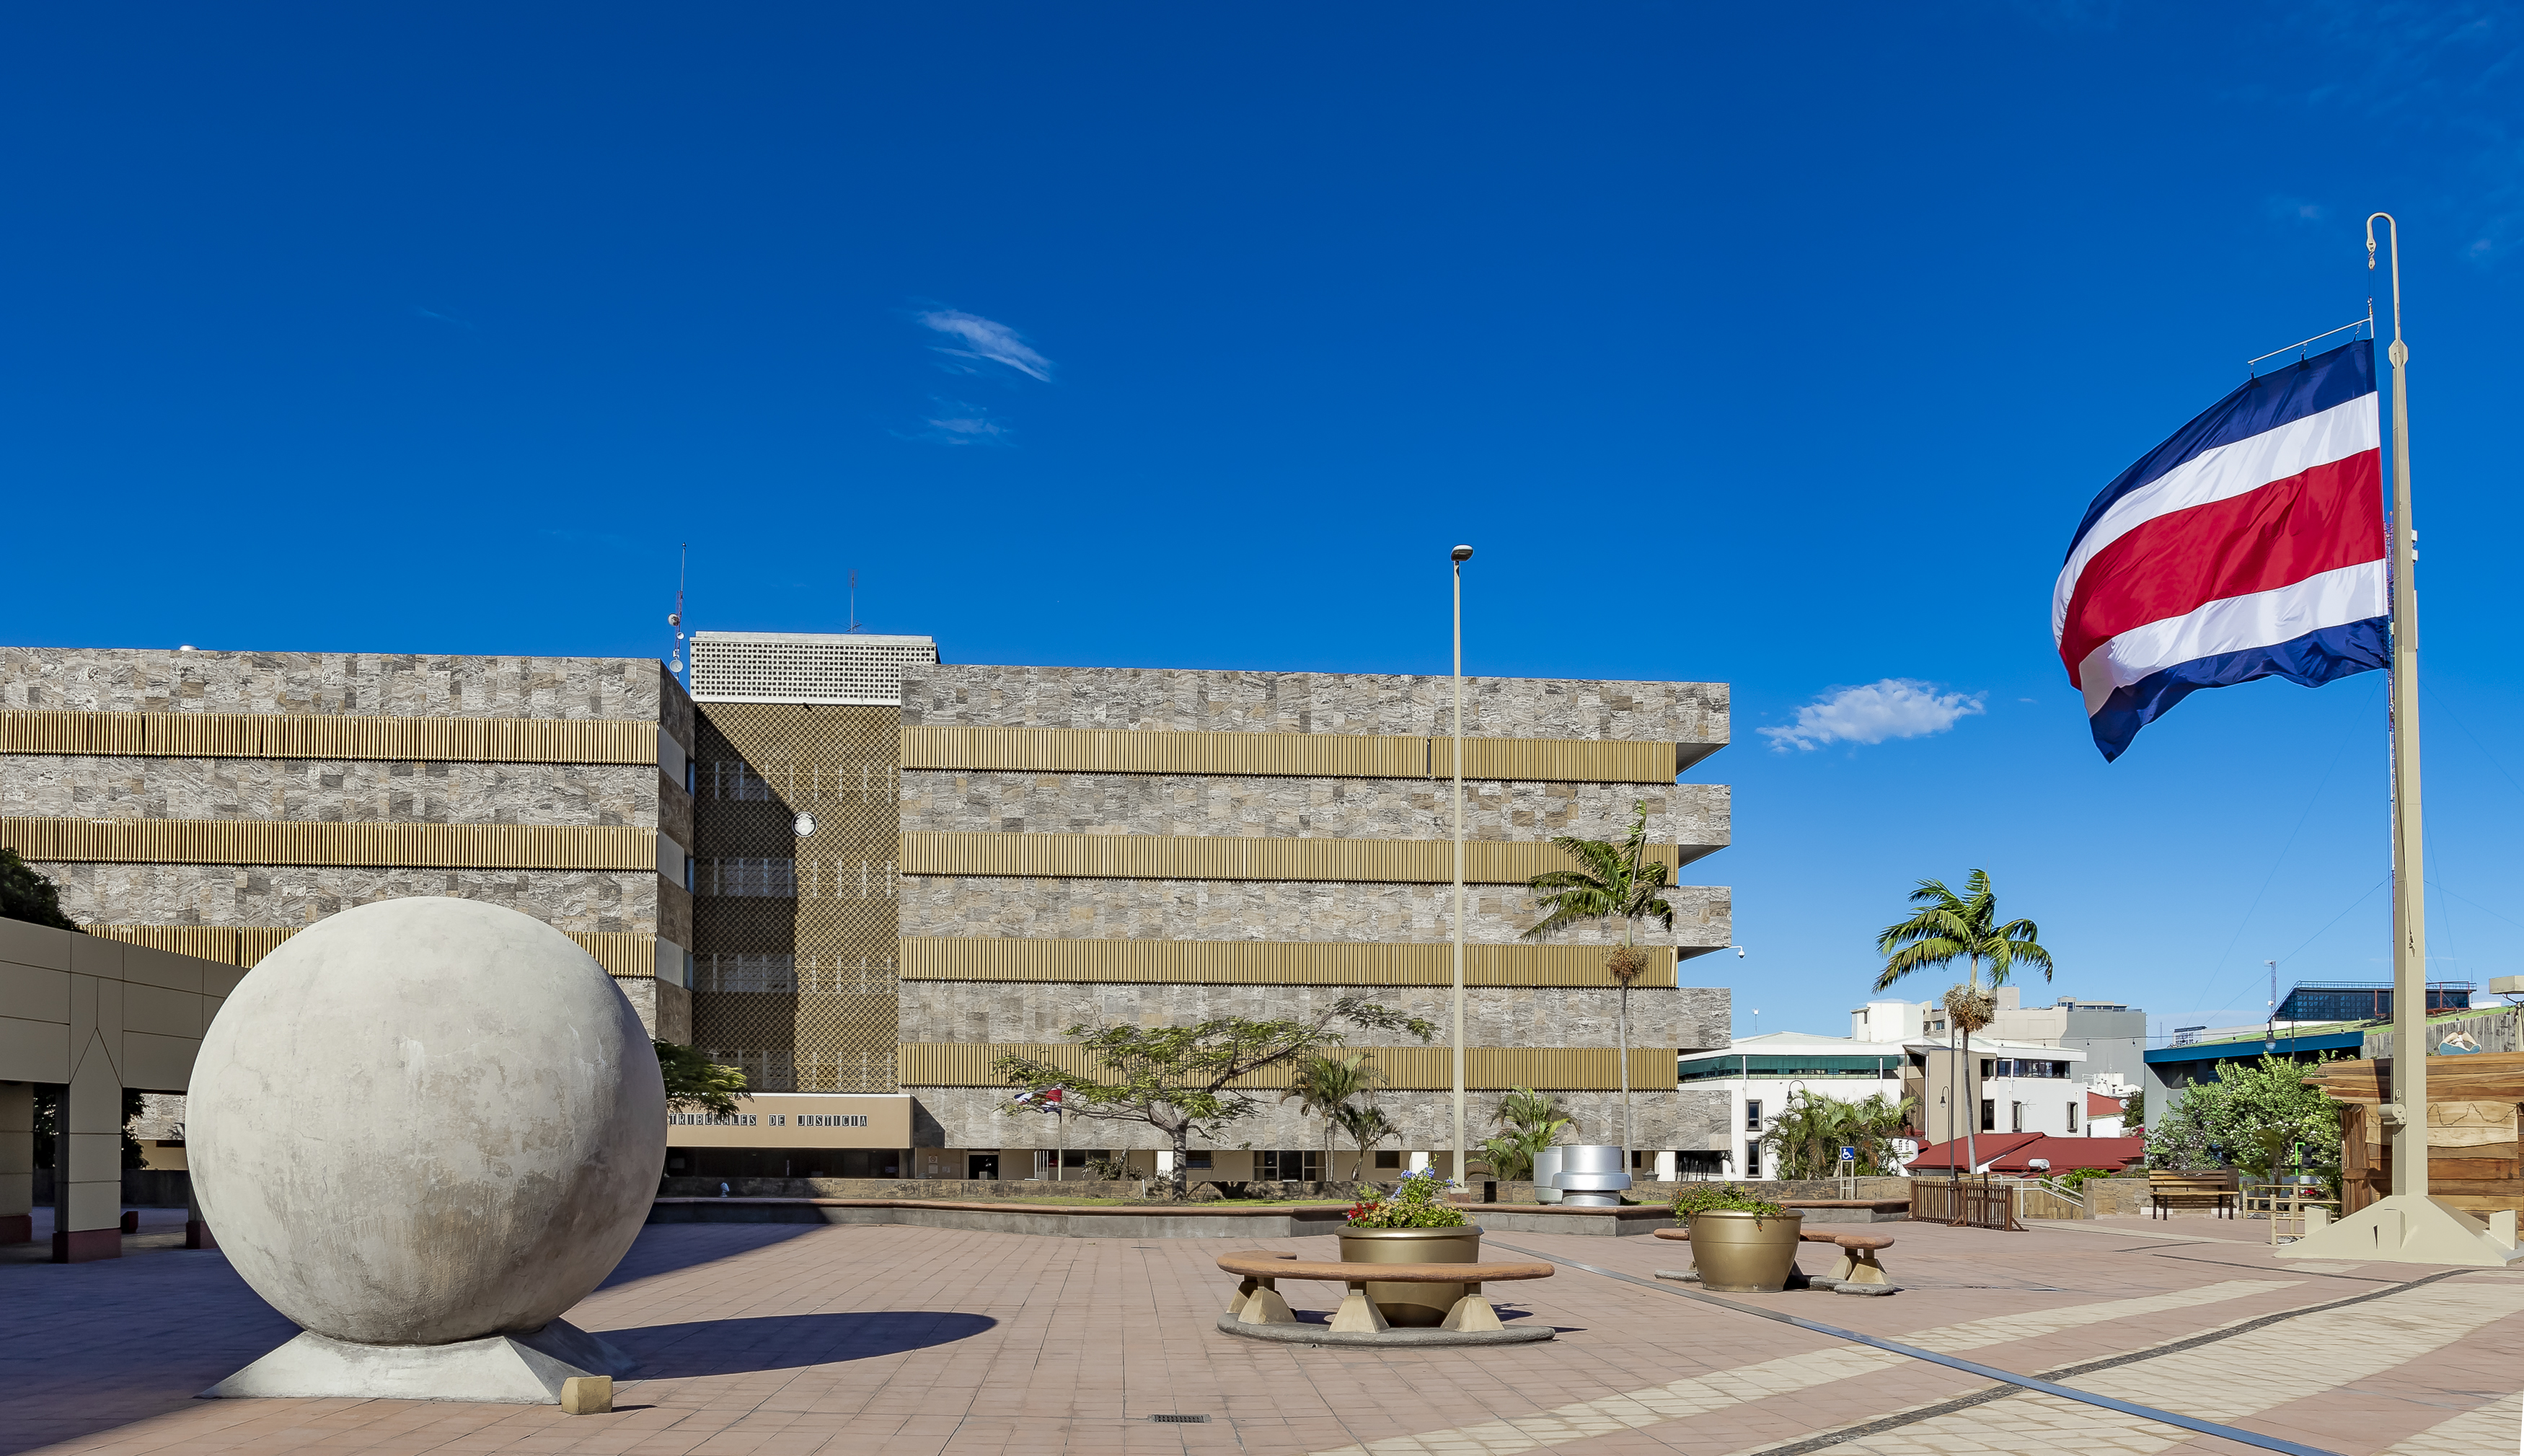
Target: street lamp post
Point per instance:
(1462, 553)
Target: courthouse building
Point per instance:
(861, 875)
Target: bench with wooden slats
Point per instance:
(2215, 1189)
(1257, 1299)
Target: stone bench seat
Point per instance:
(1857, 1263)
(1257, 1299)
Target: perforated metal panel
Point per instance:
(804, 667)
(795, 964)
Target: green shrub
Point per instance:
(1721, 1198)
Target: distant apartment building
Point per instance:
(863, 876)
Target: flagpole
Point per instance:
(2405, 1117)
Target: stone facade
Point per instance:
(354, 791)
(383, 684)
(1665, 1117)
(1262, 808)
(361, 792)
(1493, 1016)
(1692, 715)
(1265, 910)
(1160, 698)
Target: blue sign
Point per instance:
(1849, 1154)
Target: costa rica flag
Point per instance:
(2250, 545)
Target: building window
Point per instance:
(1988, 1115)
(1752, 1160)
(1753, 1115)
(2072, 1117)
(1288, 1166)
(2016, 1117)
(1196, 1160)
(1389, 1158)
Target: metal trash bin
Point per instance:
(1591, 1177)
(1546, 1167)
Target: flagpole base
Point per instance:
(2406, 1228)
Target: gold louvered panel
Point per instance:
(794, 937)
(1299, 755)
(331, 736)
(1405, 1068)
(216, 942)
(298, 842)
(1160, 857)
(1261, 962)
(625, 953)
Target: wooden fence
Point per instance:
(1981, 1202)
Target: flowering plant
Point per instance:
(1727, 1198)
(1417, 1201)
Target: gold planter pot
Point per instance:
(1421, 1306)
(1744, 1253)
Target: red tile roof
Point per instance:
(2014, 1152)
(2099, 1106)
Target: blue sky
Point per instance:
(1783, 348)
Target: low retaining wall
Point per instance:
(1178, 1221)
(963, 1190)
(2110, 1197)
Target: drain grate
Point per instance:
(1181, 1420)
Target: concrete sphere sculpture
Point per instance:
(425, 1120)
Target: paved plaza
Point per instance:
(768, 1340)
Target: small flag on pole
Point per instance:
(2250, 545)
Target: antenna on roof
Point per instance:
(675, 619)
(855, 601)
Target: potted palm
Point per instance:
(1740, 1243)
(1412, 1225)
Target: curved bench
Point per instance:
(1857, 1263)
(1257, 1299)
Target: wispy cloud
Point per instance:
(2294, 209)
(987, 341)
(959, 423)
(1894, 707)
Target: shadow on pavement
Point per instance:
(706, 1347)
(663, 1248)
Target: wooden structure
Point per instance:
(2213, 1188)
(1858, 1263)
(1257, 1299)
(2473, 1158)
(1980, 1202)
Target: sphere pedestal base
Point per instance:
(501, 1368)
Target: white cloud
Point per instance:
(987, 341)
(1895, 707)
(959, 423)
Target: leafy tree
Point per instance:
(27, 894)
(1529, 1122)
(1810, 1132)
(2255, 1117)
(1367, 1126)
(695, 1082)
(1325, 1086)
(48, 1126)
(1613, 882)
(2134, 1113)
(1948, 928)
(1179, 1079)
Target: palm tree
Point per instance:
(1962, 927)
(1367, 1126)
(1615, 881)
(1529, 1122)
(1810, 1130)
(1324, 1084)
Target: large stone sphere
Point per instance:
(424, 1120)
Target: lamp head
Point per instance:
(1462, 553)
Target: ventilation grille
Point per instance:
(804, 667)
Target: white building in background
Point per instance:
(2019, 1087)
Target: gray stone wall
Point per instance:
(1667, 1118)
(1264, 910)
(1158, 699)
(302, 895)
(666, 1008)
(1014, 802)
(1689, 1018)
(392, 685)
(82, 785)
